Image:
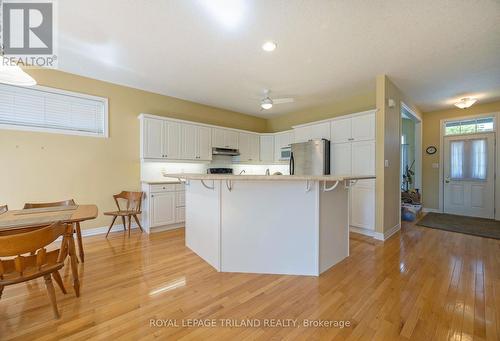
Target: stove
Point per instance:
(220, 171)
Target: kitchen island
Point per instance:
(277, 224)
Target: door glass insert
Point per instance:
(469, 159)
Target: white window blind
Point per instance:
(52, 110)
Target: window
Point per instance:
(473, 126)
(469, 159)
(51, 110)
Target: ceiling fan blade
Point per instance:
(283, 100)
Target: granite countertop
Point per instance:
(191, 176)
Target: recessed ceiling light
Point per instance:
(269, 46)
(466, 102)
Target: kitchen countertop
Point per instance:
(191, 176)
(166, 181)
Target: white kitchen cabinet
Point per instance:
(266, 147)
(355, 128)
(152, 138)
(362, 213)
(171, 140)
(196, 142)
(163, 206)
(204, 143)
(353, 153)
(312, 131)
(218, 138)
(340, 130)
(224, 138)
(281, 140)
(248, 147)
(363, 158)
(189, 141)
(340, 163)
(244, 147)
(160, 139)
(363, 127)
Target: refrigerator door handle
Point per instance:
(292, 164)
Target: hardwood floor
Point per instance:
(422, 284)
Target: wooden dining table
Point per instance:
(25, 220)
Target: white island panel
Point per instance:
(203, 220)
(269, 228)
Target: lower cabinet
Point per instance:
(163, 206)
(363, 204)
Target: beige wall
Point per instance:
(350, 105)
(388, 136)
(431, 127)
(49, 167)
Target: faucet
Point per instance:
(243, 171)
(267, 172)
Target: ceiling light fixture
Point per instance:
(14, 75)
(466, 102)
(269, 46)
(266, 103)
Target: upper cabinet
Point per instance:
(312, 131)
(363, 127)
(160, 139)
(173, 140)
(266, 148)
(357, 128)
(248, 147)
(281, 140)
(151, 138)
(353, 145)
(196, 142)
(224, 138)
(340, 130)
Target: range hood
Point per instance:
(225, 151)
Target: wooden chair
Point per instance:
(78, 230)
(42, 263)
(133, 202)
(3, 208)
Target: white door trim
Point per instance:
(496, 116)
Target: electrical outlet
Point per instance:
(386, 163)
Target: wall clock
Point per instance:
(431, 150)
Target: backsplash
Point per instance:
(153, 171)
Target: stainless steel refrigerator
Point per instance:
(310, 158)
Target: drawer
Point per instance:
(179, 187)
(163, 188)
(180, 199)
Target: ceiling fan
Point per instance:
(267, 102)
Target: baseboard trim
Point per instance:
(364, 232)
(376, 235)
(103, 230)
(428, 210)
(388, 234)
(119, 227)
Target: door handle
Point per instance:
(447, 180)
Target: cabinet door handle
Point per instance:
(152, 196)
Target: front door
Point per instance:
(469, 175)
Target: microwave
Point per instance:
(285, 153)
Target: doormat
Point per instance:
(481, 227)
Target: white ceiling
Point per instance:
(208, 51)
